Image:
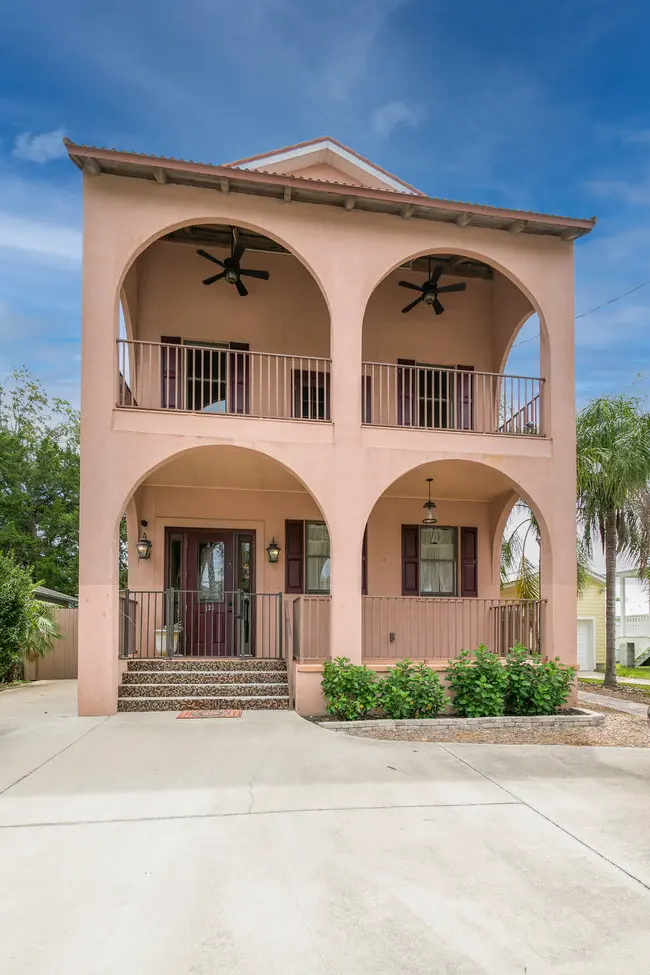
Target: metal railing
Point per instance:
(311, 627)
(208, 379)
(431, 398)
(188, 623)
(432, 627)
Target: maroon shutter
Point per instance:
(410, 560)
(406, 379)
(366, 399)
(171, 377)
(294, 533)
(469, 562)
(239, 369)
(465, 398)
(364, 564)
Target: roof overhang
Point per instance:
(95, 161)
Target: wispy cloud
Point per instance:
(41, 148)
(630, 192)
(40, 240)
(391, 114)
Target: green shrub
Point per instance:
(350, 691)
(411, 692)
(536, 686)
(16, 598)
(478, 681)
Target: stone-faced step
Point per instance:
(202, 703)
(217, 677)
(203, 690)
(205, 663)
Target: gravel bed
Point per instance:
(619, 730)
(624, 691)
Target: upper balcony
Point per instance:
(226, 321)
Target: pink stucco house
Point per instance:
(263, 404)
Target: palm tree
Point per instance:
(42, 629)
(516, 564)
(613, 439)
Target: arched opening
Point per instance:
(432, 571)
(436, 334)
(223, 319)
(235, 537)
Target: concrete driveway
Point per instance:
(143, 844)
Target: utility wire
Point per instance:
(591, 310)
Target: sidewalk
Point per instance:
(597, 675)
(616, 703)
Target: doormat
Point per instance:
(228, 713)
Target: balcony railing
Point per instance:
(210, 379)
(430, 398)
(310, 627)
(429, 628)
(633, 626)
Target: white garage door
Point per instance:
(586, 648)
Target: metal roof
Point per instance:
(94, 161)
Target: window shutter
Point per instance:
(406, 393)
(294, 533)
(364, 564)
(172, 377)
(465, 398)
(469, 562)
(366, 399)
(410, 560)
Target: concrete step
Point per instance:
(221, 677)
(275, 702)
(204, 663)
(204, 690)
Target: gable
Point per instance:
(329, 161)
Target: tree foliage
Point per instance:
(39, 481)
(613, 437)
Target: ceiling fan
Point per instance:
(232, 272)
(430, 290)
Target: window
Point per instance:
(432, 557)
(434, 397)
(206, 377)
(317, 557)
(311, 394)
(211, 571)
(438, 561)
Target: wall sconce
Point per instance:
(429, 506)
(273, 551)
(144, 545)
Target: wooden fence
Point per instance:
(61, 663)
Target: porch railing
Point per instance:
(179, 622)
(439, 628)
(310, 629)
(450, 399)
(633, 626)
(209, 379)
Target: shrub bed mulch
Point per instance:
(626, 692)
(618, 730)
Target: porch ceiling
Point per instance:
(452, 481)
(219, 235)
(225, 467)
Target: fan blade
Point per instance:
(215, 277)
(437, 307)
(238, 253)
(409, 284)
(437, 273)
(262, 275)
(413, 304)
(452, 287)
(209, 257)
(240, 288)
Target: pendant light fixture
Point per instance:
(429, 507)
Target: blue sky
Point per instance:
(535, 105)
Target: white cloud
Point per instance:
(385, 119)
(41, 240)
(629, 192)
(41, 148)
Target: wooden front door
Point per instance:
(209, 594)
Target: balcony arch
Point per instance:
(259, 348)
(446, 370)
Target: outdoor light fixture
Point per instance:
(273, 551)
(429, 507)
(144, 545)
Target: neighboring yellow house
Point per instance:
(591, 621)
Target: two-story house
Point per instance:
(285, 360)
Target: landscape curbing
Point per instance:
(585, 718)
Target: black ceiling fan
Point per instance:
(430, 290)
(232, 272)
